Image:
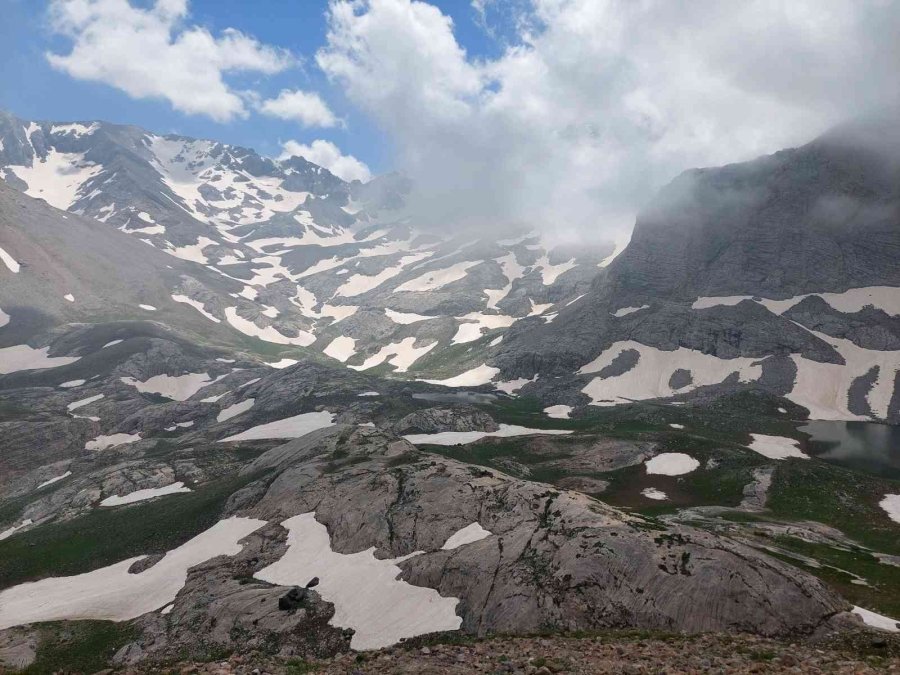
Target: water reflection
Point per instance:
(859, 445)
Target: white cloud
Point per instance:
(304, 107)
(596, 103)
(327, 154)
(149, 53)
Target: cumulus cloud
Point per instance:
(327, 154)
(594, 104)
(150, 53)
(304, 107)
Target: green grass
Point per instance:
(79, 646)
(722, 485)
(881, 595)
(106, 536)
(836, 496)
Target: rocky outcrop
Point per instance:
(436, 420)
(554, 559)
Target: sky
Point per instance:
(566, 115)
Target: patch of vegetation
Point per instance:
(299, 666)
(79, 646)
(719, 481)
(840, 567)
(836, 496)
(106, 536)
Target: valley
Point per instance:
(247, 407)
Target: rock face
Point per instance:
(764, 259)
(553, 559)
(436, 420)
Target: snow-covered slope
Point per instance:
(303, 258)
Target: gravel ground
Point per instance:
(604, 653)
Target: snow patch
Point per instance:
(365, 591)
(103, 442)
(776, 447)
(341, 348)
(22, 357)
(196, 304)
(53, 480)
(467, 535)
(235, 410)
(403, 354)
(625, 311)
(877, 620)
(650, 377)
(464, 437)
(653, 493)
(177, 388)
(431, 281)
(267, 334)
(405, 318)
(83, 402)
(9, 261)
(471, 378)
(290, 427)
(560, 412)
(112, 593)
(671, 464)
(10, 531)
(143, 495)
(891, 506)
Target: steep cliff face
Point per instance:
(791, 259)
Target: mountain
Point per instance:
(304, 258)
(248, 408)
(781, 274)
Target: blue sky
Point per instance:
(566, 114)
(32, 89)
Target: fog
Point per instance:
(594, 105)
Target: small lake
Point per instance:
(866, 446)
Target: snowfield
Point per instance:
(143, 495)
(236, 409)
(53, 480)
(463, 437)
(877, 620)
(891, 506)
(103, 442)
(22, 357)
(776, 447)
(885, 298)
(366, 593)
(471, 378)
(75, 405)
(177, 388)
(112, 593)
(9, 261)
(650, 377)
(290, 427)
(467, 535)
(654, 494)
(671, 464)
(341, 348)
(403, 354)
(560, 412)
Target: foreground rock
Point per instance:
(613, 652)
(543, 559)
